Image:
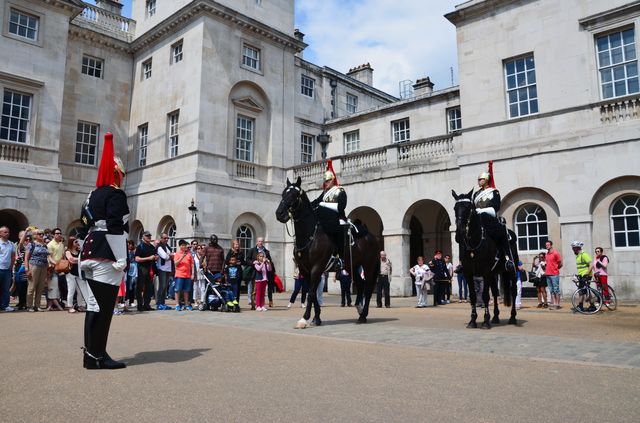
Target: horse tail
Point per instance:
(505, 282)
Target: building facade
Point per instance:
(213, 106)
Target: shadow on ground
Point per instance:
(355, 321)
(165, 356)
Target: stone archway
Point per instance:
(371, 219)
(15, 221)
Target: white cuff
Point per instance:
(488, 210)
(331, 206)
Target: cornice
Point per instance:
(474, 9)
(74, 6)
(611, 16)
(214, 9)
(98, 38)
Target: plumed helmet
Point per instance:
(328, 176)
(484, 175)
(577, 244)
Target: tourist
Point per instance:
(384, 281)
(183, 261)
(73, 283)
(7, 263)
(145, 255)
(262, 265)
(553, 264)
(300, 286)
(422, 275)
(36, 263)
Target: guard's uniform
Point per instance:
(330, 209)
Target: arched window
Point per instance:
(171, 232)
(531, 227)
(244, 234)
(625, 221)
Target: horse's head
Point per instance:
(291, 199)
(463, 209)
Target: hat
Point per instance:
(146, 233)
(329, 174)
(108, 163)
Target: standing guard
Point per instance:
(104, 255)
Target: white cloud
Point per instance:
(402, 39)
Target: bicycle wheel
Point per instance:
(612, 302)
(590, 298)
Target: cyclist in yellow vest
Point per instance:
(584, 266)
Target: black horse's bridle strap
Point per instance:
(466, 227)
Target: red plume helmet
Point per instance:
(106, 175)
(492, 182)
(329, 174)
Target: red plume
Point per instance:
(492, 182)
(330, 168)
(106, 175)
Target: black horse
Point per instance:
(477, 253)
(313, 250)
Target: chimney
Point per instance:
(423, 86)
(300, 37)
(113, 6)
(363, 73)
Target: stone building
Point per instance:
(213, 106)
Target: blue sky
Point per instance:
(401, 39)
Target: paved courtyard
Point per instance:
(407, 365)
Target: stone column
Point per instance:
(396, 242)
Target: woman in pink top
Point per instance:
(262, 266)
(600, 263)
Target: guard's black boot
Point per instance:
(92, 362)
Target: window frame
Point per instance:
(350, 106)
(307, 149)
(624, 216)
(347, 142)
(246, 243)
(29, 121)
(517, 88)
(39, 17)
(173, 134)
(143, 144)
(246, 151)
(624, 64)
(258, 59)
(307, 90)
(174, 57)
(455, 119)
(147, 73)
(97, 60)
(82, 142)
(541, 238)
(400, 135)
(150, 8)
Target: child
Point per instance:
(184, 274)
(233, 274)
(262, 266)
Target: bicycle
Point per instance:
(612, 301)
(584, 294)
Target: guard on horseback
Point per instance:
(487, 202)
(329, 208)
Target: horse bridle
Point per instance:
(291, 210)
(466, 227)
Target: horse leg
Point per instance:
(514, 294)
(316, 311)
(486, 324)
(472, 298)
(368, 285)
(495, 292)
(303, 323)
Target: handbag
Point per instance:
(248, 273)
(523, 276)
(63, 266)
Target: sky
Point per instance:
(401, 39)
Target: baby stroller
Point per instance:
(214, 299)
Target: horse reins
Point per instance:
(467, 228)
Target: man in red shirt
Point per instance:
(552, 272)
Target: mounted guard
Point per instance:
(329, 208)
(487, 203)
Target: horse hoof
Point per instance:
(472, 325)
(495, 320)
(362, 319)
(302, 324)
(316, 322)
(513, 321)
(486, 326)
(359, 308)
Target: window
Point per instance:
(146, 69)
(23, 25)
(454, 119)
(351, 142)
(352, 103)
(625, 220)
(306, 86)
(92, 66)
(522, 93)
(250, 57)
(617, 63)
(306, 148)
(151, 8)
(531, 227)
(171, 233)
(16, 111)
(244, 138)
(173, 133)
(143, 142)
(244, 235)
(400, 129)
(86, 143)
(176, 52)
